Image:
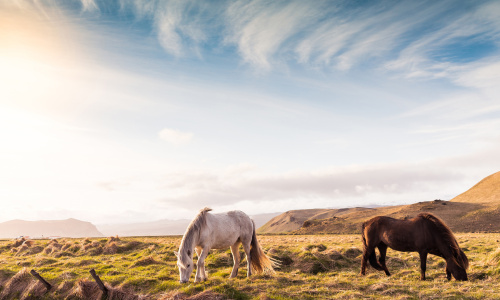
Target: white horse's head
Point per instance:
(185, 264)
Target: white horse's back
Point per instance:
(225, 229)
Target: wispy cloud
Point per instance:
(261, 28)
(89, 5)
(334, 188)
(338, 83)
(349, 37)
(175, 137)
(437, 54)
(269, 34)
(483, 75)
(181, 26)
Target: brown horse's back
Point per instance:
(397, 234)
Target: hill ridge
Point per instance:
(44, 228)
(476, 210)
(485, 191)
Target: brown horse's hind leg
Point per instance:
(368, 255)
(364, 260)
(423, 264)
(382, 248)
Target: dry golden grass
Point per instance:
(311, 267)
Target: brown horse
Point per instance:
(423, 234)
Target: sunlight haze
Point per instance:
(133, 111)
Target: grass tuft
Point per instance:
(311, 267)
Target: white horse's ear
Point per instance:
(176, 253)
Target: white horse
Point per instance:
(217, 231)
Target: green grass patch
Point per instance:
(311, 267)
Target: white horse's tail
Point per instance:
(259, 260)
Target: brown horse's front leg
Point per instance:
(423, 264)
(448, 273)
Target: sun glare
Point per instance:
(34, 57)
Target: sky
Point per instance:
(135, 110)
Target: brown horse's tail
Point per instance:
(372, 256)
(258, 259)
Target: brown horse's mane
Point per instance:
(448, 238)
(194, 228)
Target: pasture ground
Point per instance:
(312, 267)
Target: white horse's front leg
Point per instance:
(200, 266)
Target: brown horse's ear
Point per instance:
(176, 253)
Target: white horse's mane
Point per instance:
(192, 230)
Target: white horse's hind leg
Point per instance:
(200, 266)
(236, 258)
(246, 248)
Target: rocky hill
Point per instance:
(476, 210)
(60, 228)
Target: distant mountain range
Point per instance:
(54, 228)
(476, 210)
(76, 228)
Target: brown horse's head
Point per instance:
(456, 260)
(458, 265)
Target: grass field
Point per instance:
(312, 267)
